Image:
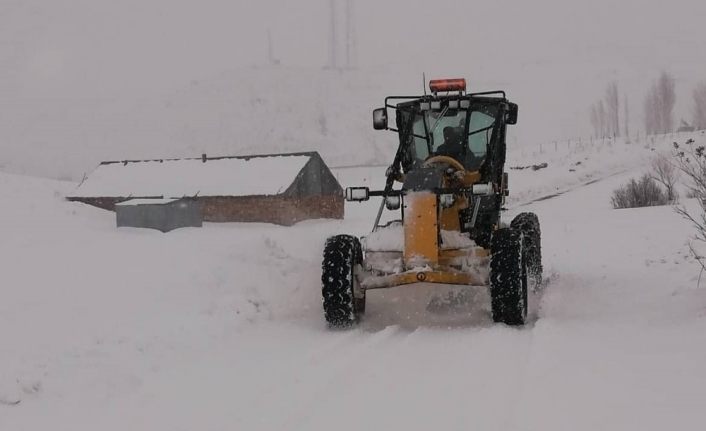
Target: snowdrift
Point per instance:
(221, 327)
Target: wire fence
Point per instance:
(582, 144)
(574, 145)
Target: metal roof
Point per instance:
(254, 175)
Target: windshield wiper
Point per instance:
(481, 130)
(436, 123)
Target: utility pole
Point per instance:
(333, 64)
(625, 120)
(270, 50)
(350, 36)
(343, 49)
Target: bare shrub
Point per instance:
(666, 174)
(644, 192)
(691, 194)
(691, 161)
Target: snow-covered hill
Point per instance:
(221, 328)
(254, 110)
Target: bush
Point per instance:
(692, 194)
(639, 193)
(666, 174)
(691, 161)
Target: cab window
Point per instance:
(480, 131)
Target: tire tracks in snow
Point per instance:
(513, 419)
(355, 354)
(569, 189)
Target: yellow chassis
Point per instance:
(411, 277)
(443, 275)
(426, 260)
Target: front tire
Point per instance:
(528, 224)
(342, 255)
(508, 277)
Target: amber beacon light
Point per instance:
(438, 85)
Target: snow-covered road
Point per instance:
(221, 328)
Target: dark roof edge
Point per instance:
(248, 157)
(196, 197)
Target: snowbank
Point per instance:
(222, 328)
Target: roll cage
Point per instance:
(408, 108)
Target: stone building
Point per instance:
(274, 188)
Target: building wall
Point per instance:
(314, 193)
(279, 209)
(271, 209)
(314, 179)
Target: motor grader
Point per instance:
(452, 186)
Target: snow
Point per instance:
(189, 177)
(132, 202)
(221, 328)
(454, 239)
(387, 238)
(391, 238)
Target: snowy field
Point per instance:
(221, 328)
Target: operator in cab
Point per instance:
(454, 147)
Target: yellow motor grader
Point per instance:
(450, 164)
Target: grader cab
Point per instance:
(450, 169)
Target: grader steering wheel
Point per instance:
(444, 159)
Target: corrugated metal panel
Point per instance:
(163, 216)
(315, 179)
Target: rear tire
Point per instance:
(508, 277)
(342, 254)
(528, 224)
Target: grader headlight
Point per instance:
(393, 202)
(446, 200)
(357, 194)
(483, 189)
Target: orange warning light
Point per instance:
(437, 85)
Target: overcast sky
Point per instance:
(554, 57)
(84, 47)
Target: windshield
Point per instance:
(458, 133)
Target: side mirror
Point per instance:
(380, 119)
(511, 114)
